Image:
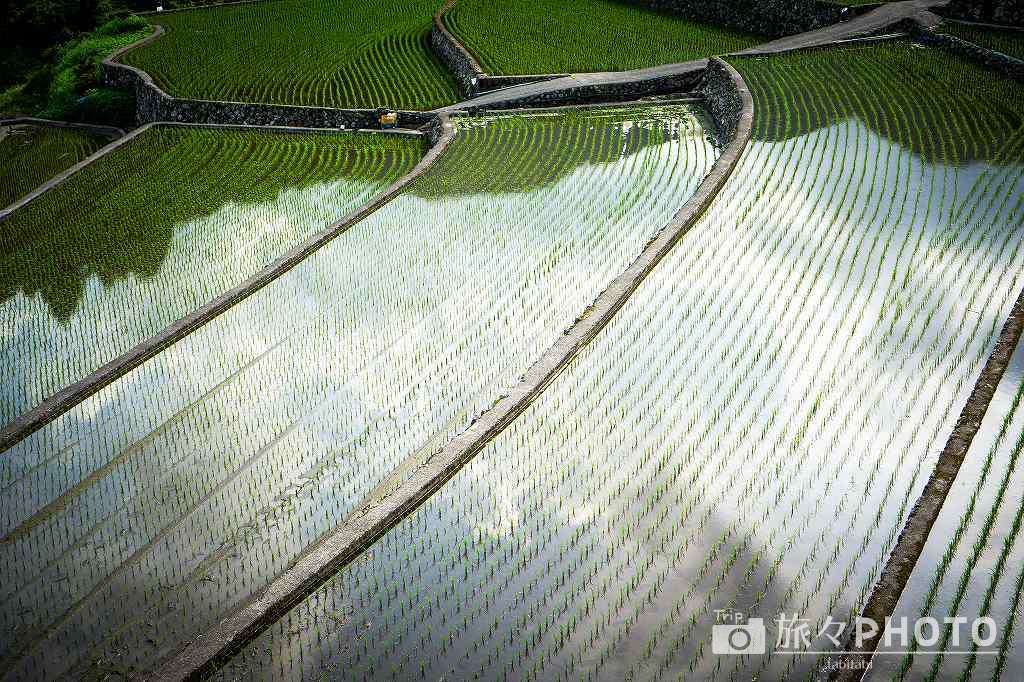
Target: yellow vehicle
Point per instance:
(388, 119)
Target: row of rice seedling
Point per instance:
(330, 53)
(554, 36)
(114, 254)
(136, 519)
(747, 432)
(972, 566)
(32, 154)
(1009, 41)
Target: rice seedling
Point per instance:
(1009, 41)
(329, 53)
(549, 36)
(158, 227)
(191, 482)
(970, 565)
(32, 154)
(798, 359)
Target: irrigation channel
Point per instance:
(749, 430)
(213, 207)
(142, 514)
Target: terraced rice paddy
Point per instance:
(554, 36)
(973, 563)
(138, 517)
(750, 429)
(31, 154)
(357, 54)
(1009, 41)
(160, 226)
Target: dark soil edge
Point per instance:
(901, 562)
(69, 396)
(201, 657)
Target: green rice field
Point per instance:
(330, 53)
(973, 563)
(1009, 41)
(750, 430)
(32, 154)
(557, 36)
(160, 226)
(139, 517)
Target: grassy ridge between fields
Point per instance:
(554, 36)
(30, 155)
(329, 53)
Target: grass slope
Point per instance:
(572, 36)
(158, 227)
(749, 430)
(30, 155)
(329, 53)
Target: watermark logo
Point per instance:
(734, 633)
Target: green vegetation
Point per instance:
(1009, 41)
(559, 36)
(748, 432)
(160, 226)
(330, 53)
(31, 154)
(940, 85)
(70, 88)
(206, 471)
(973, 563)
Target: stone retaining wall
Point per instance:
(1009, 12)
(459, 61)
(722, 98)
(773, 18)
(1013, 68)
(153, 104)
(468, 72)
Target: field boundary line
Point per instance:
(67, 172)
(372, 519)
(126, 137)
(909, 545)
(69, 396)
(52, 123)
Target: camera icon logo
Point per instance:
(739, 638)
